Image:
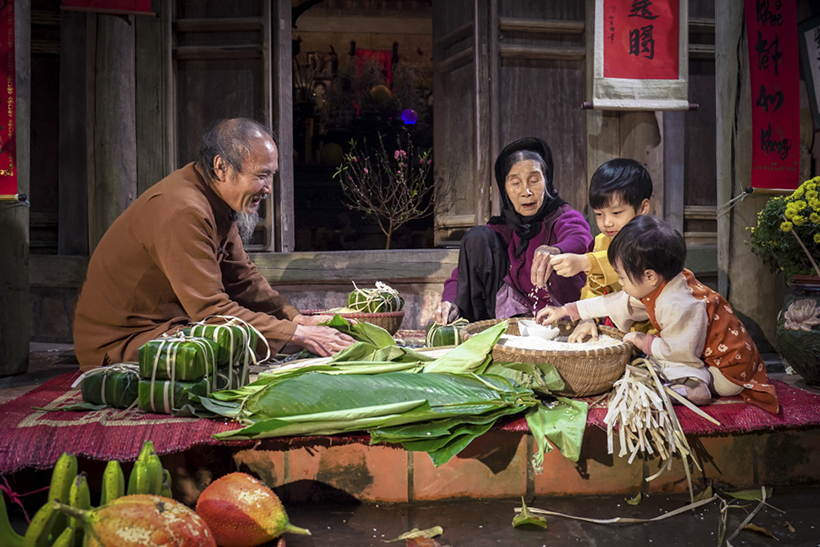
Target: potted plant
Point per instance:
(787, 238)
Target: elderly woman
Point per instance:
(504, 268)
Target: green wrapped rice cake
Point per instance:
(445, 335)
(234, 341)
(379, 300)
(179, 357)
(114, 385)
(165, 399)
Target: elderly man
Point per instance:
(175, 255)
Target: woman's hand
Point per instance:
(542, 265)
(585, 328)
(636, 338)
(549, 315)
(568, 264)
(445, 313)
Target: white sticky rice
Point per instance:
(559, 344)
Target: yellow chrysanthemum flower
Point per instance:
(815, 218)
(790, 213)
(798, 220)
(786, 226)
(800, 205)
(798, 193)
(811, 194)
(815, 204)
(817, 238)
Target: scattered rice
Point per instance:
(559, 344)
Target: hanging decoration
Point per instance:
(8, 117)
(641, 55)
(773, 67)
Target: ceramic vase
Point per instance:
(798, 328)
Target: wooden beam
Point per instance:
(150, 94)
(494, 60)
(699, 25)
(283, 226)
(673, 168)
(702, 51)
(14, 216)
(541, 26)
(72, 191)
(227, 24)
(700, 212)
(483, 161)
(198, 53)
(565, 53)
(459, 59)
(452, 38)
(45, 18)
(115, 136)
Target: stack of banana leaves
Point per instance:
(435, 403)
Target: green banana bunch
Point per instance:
(67, 539)
(48, 523)
(113, 483)
(8, 536)
(166, 491)
(138, 481)
(154, 468)
(80, 498)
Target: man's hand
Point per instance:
(550, 315)
(313, 320)
(445, 313)
(568, 264)
(542, 265)
(636, 338)
(585, 328)
(323, 341)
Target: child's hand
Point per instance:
(568, 264)
(549, 315)
(636, 338)
(585, 328)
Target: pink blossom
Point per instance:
(355, 159)
(429, 162)
(366, 171)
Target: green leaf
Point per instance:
(540, 377)
(525, 517)
(634, 501)
(563, 425)
(751, 495)
(474, 355)
(361, 331)
(416, 533)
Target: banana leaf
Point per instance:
(183, 359)
(474, 355)
(362, 332)
(317, 403)
(234, 341)
(539, 377)
(563, 425)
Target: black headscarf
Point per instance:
(525, 227)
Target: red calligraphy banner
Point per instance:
(773, 66)
(110, 6)
(641, 39)
(8, 110)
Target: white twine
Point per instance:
(732, 203)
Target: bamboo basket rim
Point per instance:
(355, 315)
(615, 349)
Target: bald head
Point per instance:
(232, 140)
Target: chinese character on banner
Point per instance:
(8, 118)
(641, 55)
(773, 66)
(645, 45)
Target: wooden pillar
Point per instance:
(282, 70)
(755, 293)
(14, 217)
(72, 228)
(114, 185)
(152, 50)
(672, 131)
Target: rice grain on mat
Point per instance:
(558, 344)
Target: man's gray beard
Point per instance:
(246, 223)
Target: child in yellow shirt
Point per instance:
(618, 192)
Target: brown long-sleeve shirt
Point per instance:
(172, 257)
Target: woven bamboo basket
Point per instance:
(585, 372)
(389, 321)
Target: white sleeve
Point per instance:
(618, 306)
(684, 325)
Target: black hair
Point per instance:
(231, 140)
(620, 178)
(524, 155)
(648, 243)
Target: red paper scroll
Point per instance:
(773, 65)
(8, 110)
(641, 39)
(110, 6)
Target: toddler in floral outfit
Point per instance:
(701, 345)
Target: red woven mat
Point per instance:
(798, 409)
(36, 438)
